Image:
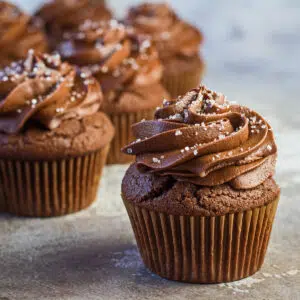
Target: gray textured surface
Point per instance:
(252, 51)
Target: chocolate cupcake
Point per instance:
(177, 41)
(53, 140)
(18, 34)
(60, 16)
(128, 69)
(201, 197)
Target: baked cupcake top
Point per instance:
(172, 36)
(203, 139)
(43, 89)
(118, 57)
(18, 33)
(63, 15)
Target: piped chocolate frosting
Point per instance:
(45, 90)
(18, 33)
(119, 58)
(60, 16)
(204, 139)
(173, 36)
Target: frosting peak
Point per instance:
(63, 15)
(44, 89)
(207, 140)
(172, 35)
(113, 53)
(18, 33)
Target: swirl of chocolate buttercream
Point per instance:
(172, 35)
(18, 33)
(204, 139)
(60, 16)
(114, 54)
(43, 89)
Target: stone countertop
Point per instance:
(252, 53)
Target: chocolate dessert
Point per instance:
(53, 140)
(128, 69)
(177, 42)
(201, 195)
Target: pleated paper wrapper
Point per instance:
(123, 134)
(50, 188)
(200, 249)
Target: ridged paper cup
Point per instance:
(50, 188)
(201, 249)
(178, 82)
(123, 134)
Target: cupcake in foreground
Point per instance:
(177, 41)
(128, 69)
(201, 195)
(59, 16)
(53, 140)
(18, 33)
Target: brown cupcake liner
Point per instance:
(202, 249)
(50, 188)
(123, 134)
(179, 83)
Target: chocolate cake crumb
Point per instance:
(167, 195)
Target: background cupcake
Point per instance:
(18, 33)
(200, 196)
(177, 41)
(64, 15)
(128, 69)
(53, 142)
